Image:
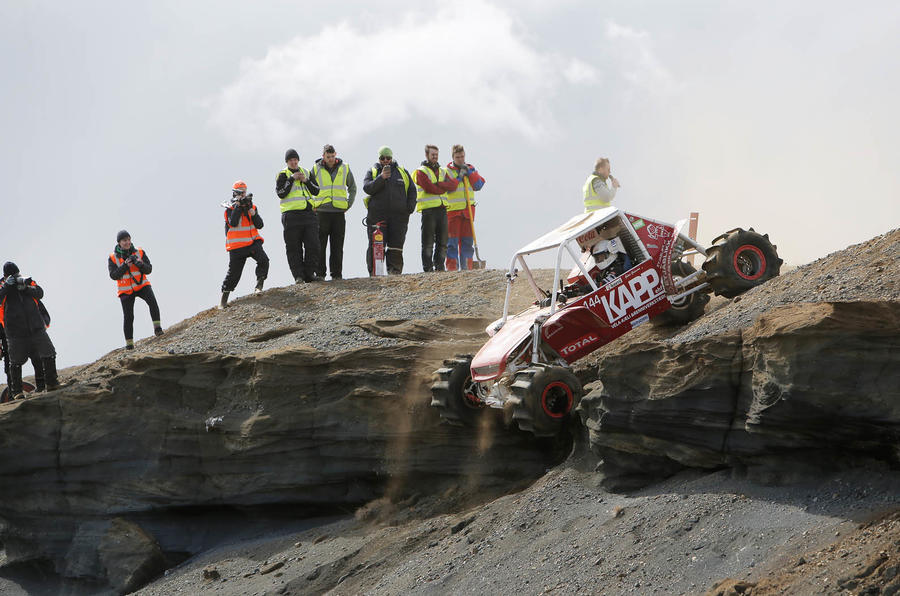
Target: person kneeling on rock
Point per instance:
(242, 240)
(25, 321)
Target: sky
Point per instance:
(781, 116)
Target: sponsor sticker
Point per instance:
(581, 343)
(640, 321)
(628, 297)
(637, 224)
(658, 232)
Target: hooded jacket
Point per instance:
(21, 312)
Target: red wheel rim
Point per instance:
(749, 262)
(550, 399)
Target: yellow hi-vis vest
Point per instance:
(403, 175)
(299, 195)
(591, 202)
(456, 200)
(332, 191)
(425, 200)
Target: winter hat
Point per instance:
(122, 234)
(291, 154)
(385, 151)
(9, 268)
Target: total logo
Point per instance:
(581, 343)
(629, 296)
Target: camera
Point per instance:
(244, 200)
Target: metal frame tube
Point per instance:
(584, 271)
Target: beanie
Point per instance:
(385, 151)
(122, 234)
(291, 154)
(9, 268)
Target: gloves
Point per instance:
(139, 263)
(11, 280)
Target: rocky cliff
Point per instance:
(314, 399)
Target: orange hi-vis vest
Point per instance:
(243, 235)
(134, 280)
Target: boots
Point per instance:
(50, 373)
(39, 384)
(259, 286)
(15, 382)
(224, 301)
(157, 328)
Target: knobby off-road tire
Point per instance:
(687, 309)
(452, 392)
(742, 261)
(546, 397)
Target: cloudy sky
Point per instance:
(781, 116)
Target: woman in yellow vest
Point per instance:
(130, 267)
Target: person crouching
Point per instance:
(243, 240)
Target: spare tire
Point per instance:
(743, 260)
(688, 308)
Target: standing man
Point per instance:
(337, 190)
(391, 199)
(461, 210)
(25, 322)
(433, 184)
(598, 193)
(129, 267)
(242, 240)
(296, 189)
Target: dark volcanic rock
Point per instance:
(130, 556)
(804, 381)
(294, 427)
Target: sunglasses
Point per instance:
(384, 158)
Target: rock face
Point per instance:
(804, 383)
(159, 433)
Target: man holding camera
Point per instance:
(337, 190)
(391, 199)
(295, 189)
(25, 322)
(600, 187)
(433, 185)
(461, 211)
(243, 241)
(129, 267)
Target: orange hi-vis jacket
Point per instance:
(134, 280)
(244, 234)
(36, 301)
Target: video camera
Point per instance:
(242, 200)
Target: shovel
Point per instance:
(477, 262)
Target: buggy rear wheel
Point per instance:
(688, 308)
(455, 394)
(544, 398)
(742, 261)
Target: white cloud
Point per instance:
(345, 81)
(632, 50)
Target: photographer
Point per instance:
(25, 322)
(295, 189)
(242, 240)
(129, 267)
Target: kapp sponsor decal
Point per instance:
(629, 296)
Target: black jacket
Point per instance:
(389, 196)
(233, 217)
(283, 185)
(21, 314)
(117, 271)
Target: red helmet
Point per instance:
(240, 186)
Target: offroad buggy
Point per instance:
(628, 270)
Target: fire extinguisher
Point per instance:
(378, 264)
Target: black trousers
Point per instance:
(145, 294)
(394, 229)
(35, 346)
(434, 238)
(236, 260)
(301, 242)
(332, 227)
